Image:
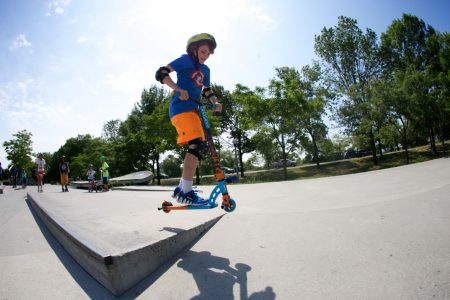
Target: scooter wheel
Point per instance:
(231, 207)
(166, 206)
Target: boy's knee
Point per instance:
(198, 148)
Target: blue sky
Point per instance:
(67, 67)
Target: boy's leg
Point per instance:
(66, 181)
(189, 129)
(189, 166)
(105, 184)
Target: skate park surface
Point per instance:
(375, 235)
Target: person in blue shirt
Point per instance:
(193, 81)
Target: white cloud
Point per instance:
(220, 15)
(58, 7)
(82, 39)
(22, 100)
(127, 80)
(20, 42)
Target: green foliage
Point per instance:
(353, 61)
(80, 152)
(172, 166)
(18, 150)
(385, 92)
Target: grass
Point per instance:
(335, 168)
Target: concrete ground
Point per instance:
(375, 235)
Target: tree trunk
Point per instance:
(283, 148)
(443, 138)
(374, 149)
(405, 144)
(316, 150)
(380, 146)
(157, 169)
(432, 141)
(241, 162)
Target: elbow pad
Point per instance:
(162, 73)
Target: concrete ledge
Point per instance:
(116, 271)
(143, 188)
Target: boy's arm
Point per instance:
(162, 75)
(208, 93)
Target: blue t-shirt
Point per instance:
(192, 80)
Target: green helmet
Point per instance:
(197, 39)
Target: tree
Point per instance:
(277, 114)
(240, 135)
(171, 166)
(159, 135)
(440, 72)
(311, 108)
(400, 113)
(111, 131)
(81, 151)
(18, 150)
(136, 149)
(408, 47)
(352, 60)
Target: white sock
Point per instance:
(180, 184)
(186, 186)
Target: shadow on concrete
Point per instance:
(215, 278)
(89, 285)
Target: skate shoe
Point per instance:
(176, 192)
(191, 198)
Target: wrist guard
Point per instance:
(208, 93)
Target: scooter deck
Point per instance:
(168, 206)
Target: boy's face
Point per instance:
(203, 53)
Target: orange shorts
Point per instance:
(189, 127)
(64, 179)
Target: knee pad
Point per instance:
(198, 148)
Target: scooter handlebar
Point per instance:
(208, 105)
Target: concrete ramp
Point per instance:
(119, 237)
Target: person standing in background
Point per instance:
(40, 172)
(64, 173)
(104, 169)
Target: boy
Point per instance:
(40, 172)
(64, 173)
(91, 178)
(105, 173)
(192, 81)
